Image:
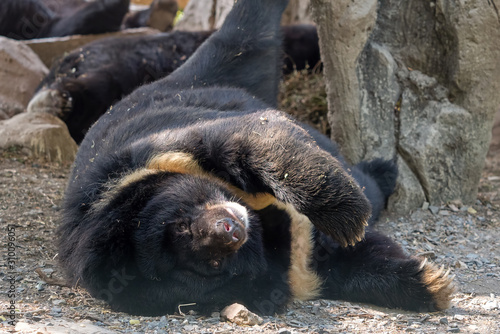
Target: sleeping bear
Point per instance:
(29, 19)
(82, 85)
(195, 190)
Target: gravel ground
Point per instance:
(462, 238)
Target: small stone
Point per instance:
(443, 321)
(434, 209)
(460, 265)
(471, 210)
(425, 206)
(32, 213)
(190, 328)
(453, 207)
(40, 286)
(458, 317)
(48, 271)
(453, 330)
(57, 302)
(163, 322)
(240, 315)
(284, 331)
(491, 305)
(134, 321)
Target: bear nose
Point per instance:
(228, 229)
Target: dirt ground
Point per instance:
(462, 238)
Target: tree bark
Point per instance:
(416, 81)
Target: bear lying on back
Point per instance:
(193, 189)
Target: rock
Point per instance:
(45, 135)
(491, 305)
(434, 209)
(58, 302)
(471, 210)
(240, 315)
(49, 49)
(421, 87)
(21, 71)
(406, 184)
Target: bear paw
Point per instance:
(439, 284)
(51, 101)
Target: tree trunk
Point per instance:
(416, 81)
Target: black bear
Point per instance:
(28, 19)
(81, 86)
(195, 190)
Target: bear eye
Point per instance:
(215, 264)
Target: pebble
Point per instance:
(284, 331)
(491, 305)
(443, 321)
(434, 209)
(190, 328)
(57, 302)
(33, 213)
(163, 322)
(240, 315)
(453, 330)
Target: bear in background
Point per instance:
(82, 85)
(194, 190)
(29, 19)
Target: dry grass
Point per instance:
(303, 95)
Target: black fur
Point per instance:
(301, 48)
(86, 82)
(28, 19)
(145, 239)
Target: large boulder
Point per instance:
(21, 71)
(416, 81)
(45, 135)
